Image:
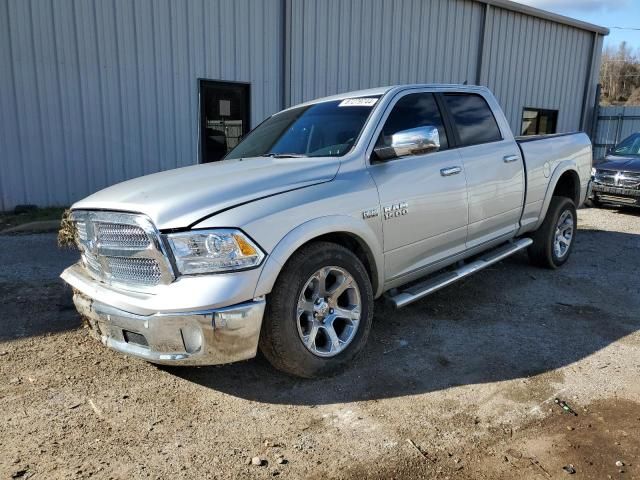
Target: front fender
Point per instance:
(315, 228)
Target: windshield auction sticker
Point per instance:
(358, 102)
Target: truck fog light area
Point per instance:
(192, 339)
(231, 320)
(214, 251)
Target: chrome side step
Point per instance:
(430, 285)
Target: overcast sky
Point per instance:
(608, 13)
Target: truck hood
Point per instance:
(622, 164)
(179, 198)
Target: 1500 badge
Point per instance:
(390, 211)
(395, 210)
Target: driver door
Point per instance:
(423, 197)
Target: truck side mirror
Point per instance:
(414, 141)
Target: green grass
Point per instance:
(8, 220)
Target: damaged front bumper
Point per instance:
(190, 337)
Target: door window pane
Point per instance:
(411, 111)
(224, 110)
(536, 121)
(473, 118)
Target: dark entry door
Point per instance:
(224, 117)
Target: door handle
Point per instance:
(447, 172)
(510, 158)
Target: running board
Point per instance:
(427, 287)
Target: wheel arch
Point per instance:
(355, 235)
(568, 185)
(564, 182)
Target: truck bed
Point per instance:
(546, 156)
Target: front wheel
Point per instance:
(319, 313)
(553, 241)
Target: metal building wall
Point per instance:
(531, 62)
(93, 92)
(342, 45)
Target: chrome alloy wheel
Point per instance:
(328, 312)
(564, 234)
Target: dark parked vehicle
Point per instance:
(616, 179)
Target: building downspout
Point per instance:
(584, 114)
(285, 53)
(480, 73)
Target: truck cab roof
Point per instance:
(379, 91)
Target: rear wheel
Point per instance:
(319, 313)
(553, 241)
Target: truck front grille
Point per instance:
(144, 271)
(616, 178)
(121, 249)
(122, 236)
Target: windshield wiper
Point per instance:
(284, 155)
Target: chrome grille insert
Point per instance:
(122, 236)
(606, 177)
(616, 178)
(630, 180)
(122, 249)
(145, 271)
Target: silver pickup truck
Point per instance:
(322, 208)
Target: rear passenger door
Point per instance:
(426, 192)
(493, 166)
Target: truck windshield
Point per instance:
(629, 146)
(327, 129)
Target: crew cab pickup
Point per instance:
(324, 207)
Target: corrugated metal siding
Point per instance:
(342, 45)
(614, 125)
(96, 92)
(530, 62)
(592, 87)
(93, 92)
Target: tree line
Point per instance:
(620, 75)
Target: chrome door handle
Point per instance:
(447, 172)
(510, 158)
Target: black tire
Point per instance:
(280, 341)
(542, 252)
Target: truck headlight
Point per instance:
(214, 251)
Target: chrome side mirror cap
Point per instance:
(414, 141)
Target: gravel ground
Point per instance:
(460, 385)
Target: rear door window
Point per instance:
(473, 118)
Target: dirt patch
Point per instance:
(591, 444)
(29, 309)
(539, 387)
(458, 386)
(603, 433)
